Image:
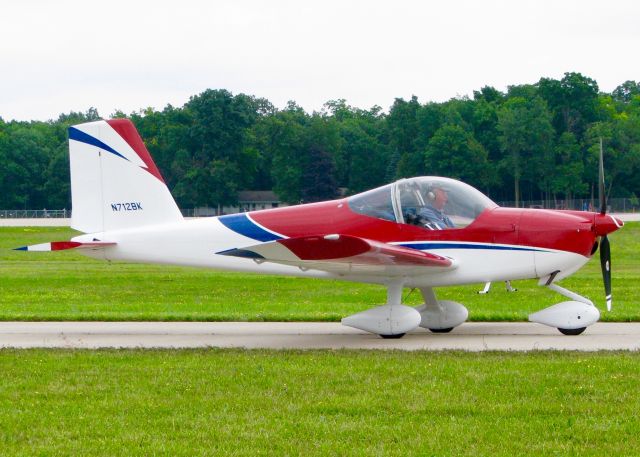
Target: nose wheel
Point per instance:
(572, 331)
(441, 330)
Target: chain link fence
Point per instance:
(66, 213)
(34, 213)
(614, 205)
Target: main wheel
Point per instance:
(572, 331)
(393, 337)
(441, 330)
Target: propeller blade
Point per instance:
(601, 188)
(605, 263)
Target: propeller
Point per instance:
(601, 189)
(605, 248)
(605, 263)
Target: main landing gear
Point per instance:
(487, 287)
(394, 319)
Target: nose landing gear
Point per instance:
(569, 317)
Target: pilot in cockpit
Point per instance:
(429, 212)
(433, 214)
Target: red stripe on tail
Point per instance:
(128, 132)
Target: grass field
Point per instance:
(232, 402)
(66, 285)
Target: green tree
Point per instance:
(488, 94)
(323, 131)
(285, 144)
(402, 125)
(430, 118)
(318, 176)
(526, 134)
(621, 138)
(391, 173)
(367, 155)
(455, 153)
(626, 91)
(25, 154)
(220, 159)
(569, 167)
(573, 101)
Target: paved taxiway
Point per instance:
(472, 336)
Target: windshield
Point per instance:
(440, 203)
(433, 203)
(374, 203)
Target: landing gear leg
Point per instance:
(485, 290)
(394, 298)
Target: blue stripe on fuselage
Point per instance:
(440, 245)
(240, 223)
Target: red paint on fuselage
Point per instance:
(566, 231)
(546, 229)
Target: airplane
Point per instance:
(422, 232)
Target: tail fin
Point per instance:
(114, 182)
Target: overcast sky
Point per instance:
(68, 55)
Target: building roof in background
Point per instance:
(257, 196)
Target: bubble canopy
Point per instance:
(431, 202)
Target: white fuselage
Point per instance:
(195, 243)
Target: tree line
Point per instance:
(533, 142)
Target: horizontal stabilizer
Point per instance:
(64, 245)
(343, 253)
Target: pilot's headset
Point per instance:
(431, 192)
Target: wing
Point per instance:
(344, 254)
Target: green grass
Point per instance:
(66, 285)
(233, 402)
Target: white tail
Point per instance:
(114, 182)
